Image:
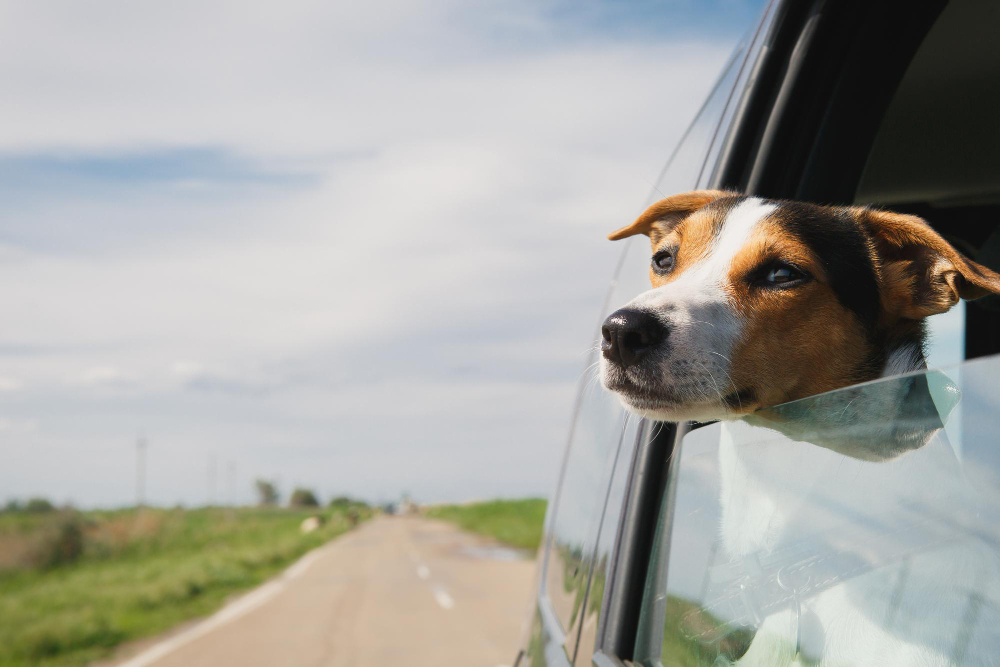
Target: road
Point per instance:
(397, 590)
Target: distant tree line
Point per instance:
(31, 505)
(269, 496)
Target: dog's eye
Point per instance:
(781, 274)
(663, 261)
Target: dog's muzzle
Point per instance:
(628, 335)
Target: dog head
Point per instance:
(757, 302)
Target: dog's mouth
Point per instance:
(641, 397)
(665, 401)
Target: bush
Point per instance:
(38, 505)
(344, 502)
(303, 498)
(59, 543)
(13, 505)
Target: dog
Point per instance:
(758, 303)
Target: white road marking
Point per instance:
(423, 572)
(227, 614)
(443, 599)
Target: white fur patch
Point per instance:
(736, 231)
(905, 359)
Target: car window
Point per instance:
(600, 559)
(849, 527)
(599, 422)
(596, 435)
(685, 165)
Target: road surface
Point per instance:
(396, 591)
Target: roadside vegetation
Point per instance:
(517, 523)
(73, 585)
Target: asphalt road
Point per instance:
(398, 590)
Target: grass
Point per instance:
(134, 573)
(517, 523)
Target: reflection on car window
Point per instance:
(857, 527)
(596, 435)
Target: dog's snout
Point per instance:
(629, 334)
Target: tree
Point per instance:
(267, 492)
(303, 498)
(38, 505)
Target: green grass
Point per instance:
(514, 522)
(136, 573)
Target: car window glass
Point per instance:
(946, 337)
(600, 418)
(600, 559)
(685, 165)
(596, 434)
(845, 528)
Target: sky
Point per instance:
(356, 247)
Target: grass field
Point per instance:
(514, 522)
(74, 585)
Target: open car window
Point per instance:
(853, 527)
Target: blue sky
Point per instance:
(357, 248)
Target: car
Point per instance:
(848, 102)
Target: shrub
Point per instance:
(303, 498)
(13, 505)
(38, 505)
(58, 543)
(344, 502)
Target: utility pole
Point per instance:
(140, 471)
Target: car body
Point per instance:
(845, 102)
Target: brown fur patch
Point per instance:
(922, 274)
(660, 218)
(690, 240)
(795, 342)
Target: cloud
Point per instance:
(102, 376)
(371, 235)
(9, 384)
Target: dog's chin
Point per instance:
(671, 411)
(661, 404)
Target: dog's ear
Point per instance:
(922, 274)
(664, 214)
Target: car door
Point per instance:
(800, 132)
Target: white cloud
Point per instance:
(9, 384)
(441, 271)
(102, 376)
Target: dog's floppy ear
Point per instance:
(922, 274)
(666, 213)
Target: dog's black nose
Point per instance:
(629, 335)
